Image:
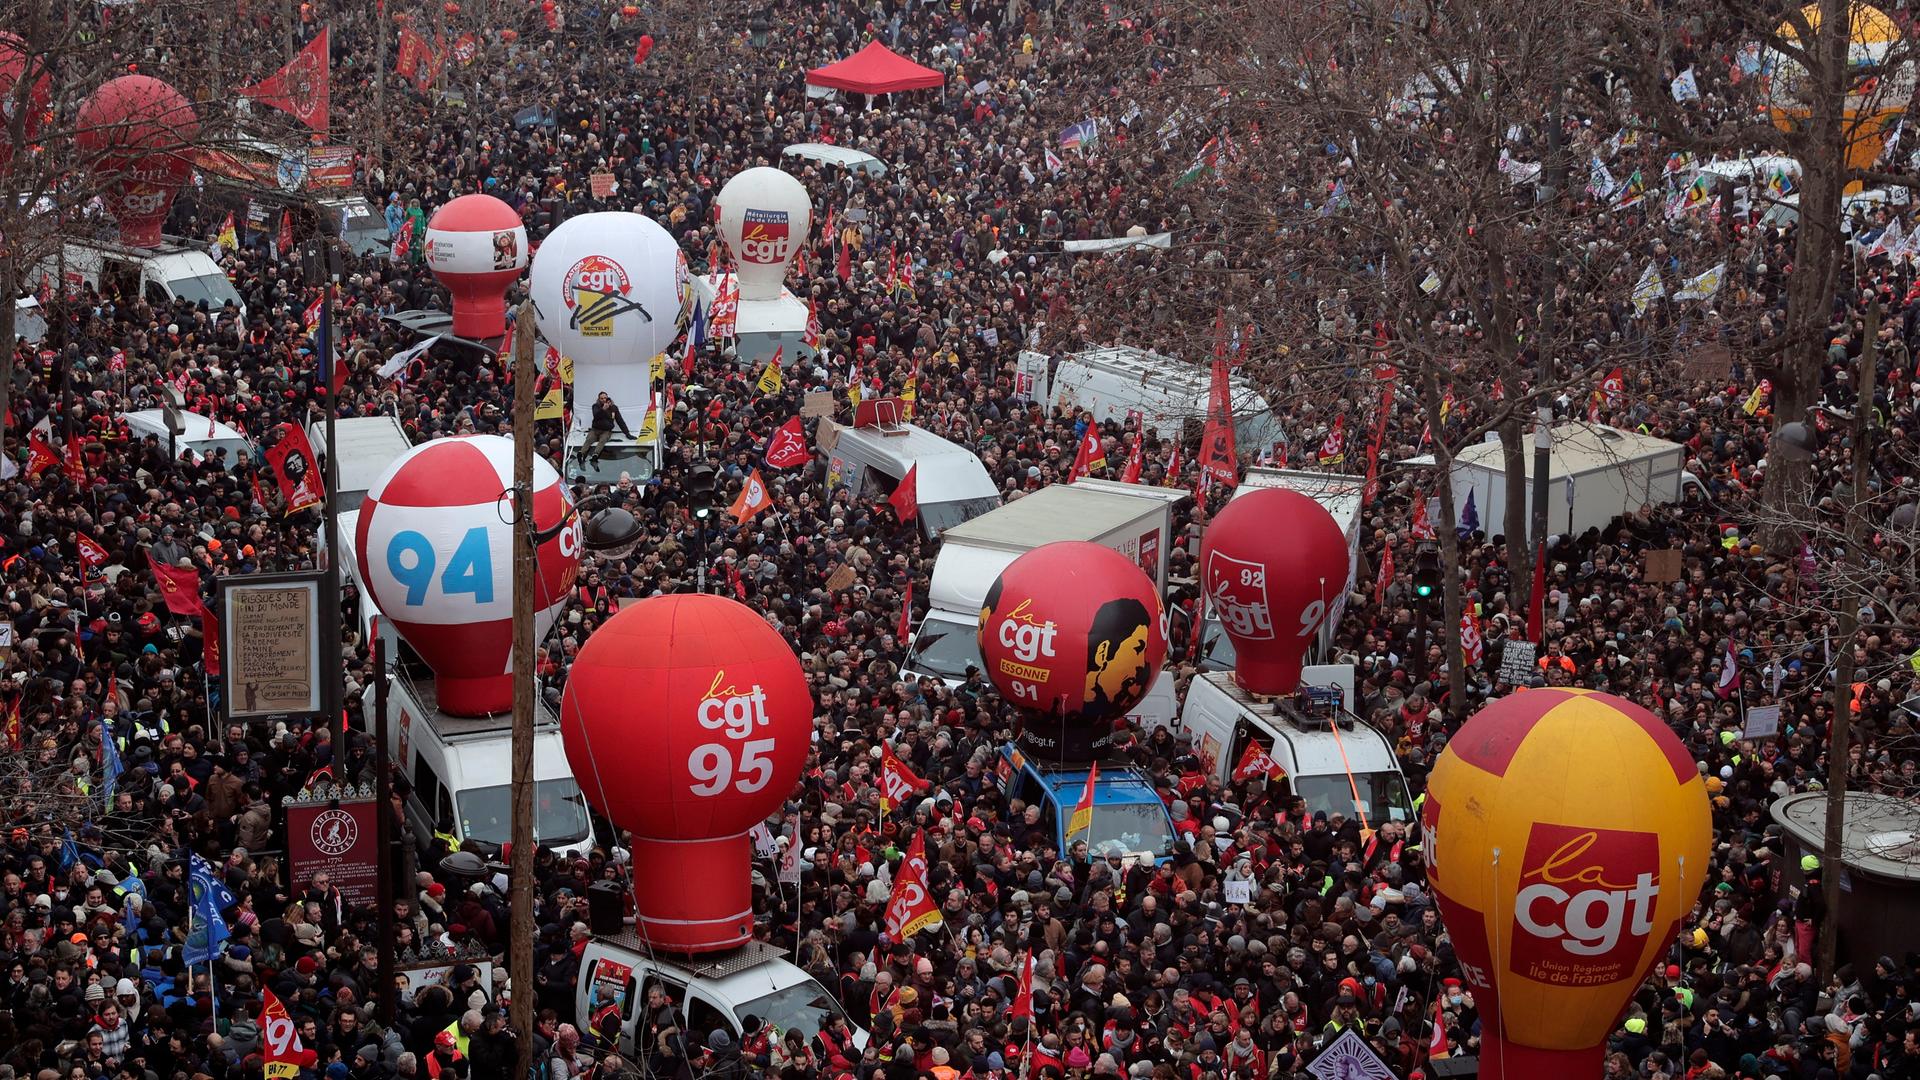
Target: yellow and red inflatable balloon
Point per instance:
(1567, 836)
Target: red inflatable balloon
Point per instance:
(137, 131)
(643, 49)
(687, 720)
(1073, 634)
(1273, 564)
(14, 62)
(477, 247)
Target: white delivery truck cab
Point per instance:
(1335, 761)
(1167, 396)
(176, 270)
(461, 769)
(368, 444)
(1340, 495)
(1133, 519)
(202, 435)
(709, 993)
(950, 483)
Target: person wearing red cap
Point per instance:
(446, 1051)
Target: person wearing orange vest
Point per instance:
(445, 1053)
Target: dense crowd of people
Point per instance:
(115, 771)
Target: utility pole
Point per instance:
(1832, 863)
(383, 831)
(1542, 468)
(520, 865)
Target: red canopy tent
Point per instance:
(876, 69)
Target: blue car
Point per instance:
(1127, 816)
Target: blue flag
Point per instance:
(698, 331)
(135, 892)
(1469, 518)
(109, 761)
(69, 852)
(211, 898)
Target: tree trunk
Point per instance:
(1513, 458)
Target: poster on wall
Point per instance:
(270, 643)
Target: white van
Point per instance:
(709, 993)
(173, 271)
(950, 482)
(1334, 761)
(461, 771)
(1167, 396)
(202, 435)
(368, 444)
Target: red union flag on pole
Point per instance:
(1472, 647)
(92, 555)
(905, 499)
(179, 586)
(911, 909)
(1023, 998)
(280, 1040)
(300, 88)
(787, 448)
(1219, 462)
(897, 782)
(1257, 763)
(295, 470)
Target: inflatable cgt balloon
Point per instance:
(1072, 633)
(1567, 834)
(687, 720)
(1274, 565)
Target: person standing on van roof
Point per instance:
(606, 415)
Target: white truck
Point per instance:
(1341, 496)
(460, 768)
(1133, 519)
(950, 483)
(1334, 761)
(368, 444)
(1165, 396)
(176, 270)
(708, 993)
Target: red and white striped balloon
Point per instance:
(436, 557)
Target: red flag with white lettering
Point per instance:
(301, 87)
(911, 908)
(897, 782)
(787, 447)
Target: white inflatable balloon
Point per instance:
(765, 216)
(610, 288)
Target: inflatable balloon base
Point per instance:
(695, 896)
(1510, 1061)
(473, 695)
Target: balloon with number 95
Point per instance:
(435, 554)
(686, 720)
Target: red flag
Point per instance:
(1422, 527)
(723, 319)
(1472, 647)
(812, 340)
(1088, 456)
(465, 48)
(40, 455)
(295, 470)
(905, 499)
(285, 240)
(16, 738)
(92, 555)
(843, 267)
(787, 446)
(1219, 463)
(179, 586)
(1386, 577)
(1537, 613)
(1023, 998)
(897, 782)
(403, 244)
(1437, 1045)
(1256, 763)
(74, 464)
(906, 614)
(280, 1040)
(300, 88)
(117, 360)
(1729, 673)
(1333, 449)
(1132, 473)
(752, 499)
(210, 640)
(1082, 817)
(911, 909)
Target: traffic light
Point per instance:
(1426, 570)
(700, 488)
